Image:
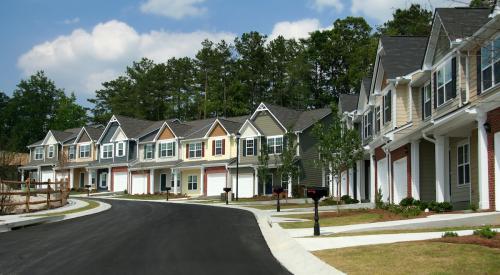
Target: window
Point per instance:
(367, 125)
(192, 182)
(275, 145)
(249, 147)
(148, 151)
(387, 107)
(172, 180)
(444, 83)
(71, 152)
(490, 64)
(218, 147)
(107, 151)
(284, 181)
(167, 149)
(51, 151)
(426, 101)
(377, 119)
(120, 149)
(463, 166)
(195, 150)
(85, 151)
(38, 153)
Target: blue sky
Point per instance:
(82, 43)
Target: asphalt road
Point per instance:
(142, 238)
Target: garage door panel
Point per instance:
(382, 180)
(139, 184)
(119, 181)
(400, 180)
(245, 185)
(215, 183)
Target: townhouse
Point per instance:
(197, 158)
(429, 115)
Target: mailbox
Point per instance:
(227, 189)
(168, 188)
(278, 189)
(317, 193)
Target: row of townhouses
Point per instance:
(429, 116)
(197, 158)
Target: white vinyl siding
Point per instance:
(148, 151)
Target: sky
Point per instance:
(80, 44)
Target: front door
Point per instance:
(269, 184)
(82, 180)
(163, 182)
(103, 180)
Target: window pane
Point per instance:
(460, 155)
(497, 72)
(460, 175)
(440, 78)
(496, 49)
(466, 153)
(440, 95)
(486, 77)
(449, 90)
(447, 71)
(486, 56)
(466, 176)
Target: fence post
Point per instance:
(28, 195)
(48, 194)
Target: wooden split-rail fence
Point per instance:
(32, 188)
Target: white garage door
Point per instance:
(245, 185)
(400, 180)
(215, 184)
(382, 180)
(62, 176)
(119, 181)
(46, 175)
(139, 184)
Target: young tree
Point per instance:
(339, 147)
(287, 165)
(414, 20)
(263, 166)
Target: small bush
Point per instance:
(440, 207)
(473, 207)
(405, 211)
(407, 201)
(125, 192)
(328, 201)
(378, 199)
(348, 200)
(485, 232)
(449, 234)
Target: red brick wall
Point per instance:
(493, 118)
(379, 153)
(401, 152)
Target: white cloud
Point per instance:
(71, 21)
(321, 5)
(381, 10)
(82, 60)
(176, 9)
(295, 29)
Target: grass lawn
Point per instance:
(414, 258)
(399, 231)
(345, 217)
(149, 196)
(91, 205)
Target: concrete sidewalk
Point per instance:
(314, 244)
(438, 220)
(8, 222)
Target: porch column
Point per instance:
(359, 176)
(71, 178)
(256, 178)
(289, 186)
(482, 156)
(108, 178)
(415, 169)
(372, 176)
(152, 181)
(174, 172)
(202, 180)
(331, 181)
(441, 152)
(89, 178)
(22, 175)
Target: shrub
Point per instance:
(125, 192)
(378, 199)
(440, 206)
(449, 234)
(328, 201)
(348, 200)
(407, 201)
(473, 207)
(485, 232)
(405, 211)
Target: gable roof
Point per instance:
(461, 22)
(402, 54)
(286, 116)
(367, 82)
(308, 118)
(134, 127)
(347, 102)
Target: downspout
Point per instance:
(424, 135)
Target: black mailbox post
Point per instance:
(168, 191)
(316, 193)
(278, 190)
(88, 189)
(227, 190)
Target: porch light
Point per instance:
(487, 127)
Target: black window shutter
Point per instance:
(478, 69)
(145, 147)
(244, 145)
(153, 151)
(434, 89)
(454, 69)
(254, 146)
(383, 110)
(173, 149)
(285, 143)
(422, 97)
(264, 143)
(390, 106)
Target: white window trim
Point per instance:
(274, 147)
(80, 150)
(490, 65)
(190, 181)
(195, 150)
(218, 147)
(442, 65)
(246, 147)
(461, 144)
(378, 115)
(112, 150)
(284, 181)
(118, 150)
(42, 154)
(384, 118)
(146, 151)
(366, 125)
(74, 152)
(427, 84)
(166, 143)
(49, 151)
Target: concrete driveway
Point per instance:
(142, 238)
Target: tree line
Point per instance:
(222, 79)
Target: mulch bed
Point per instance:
(384, 214)
(472, 239)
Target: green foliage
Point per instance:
(405, 211)
(346, 199)
(485, 232)
(263, 166)
(481, 3)
(412, 21)
(448, 234)
(407, 201)
(473, 206)
(329, 201)
(379, 204)
(439, 207)
(287, 165)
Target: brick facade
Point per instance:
(493, 118)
